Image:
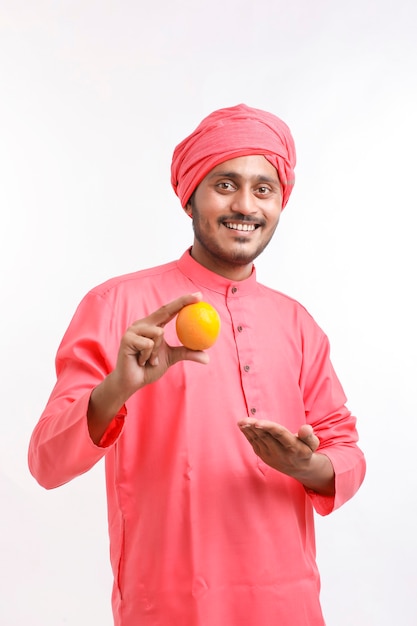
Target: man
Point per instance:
(214, 461)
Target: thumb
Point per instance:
(181, 353)
(306, 434)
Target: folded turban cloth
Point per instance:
(229, 133)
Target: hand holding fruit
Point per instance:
(144, 356)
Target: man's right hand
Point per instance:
(144, 356)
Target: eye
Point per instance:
(226, 185)
(262, 190)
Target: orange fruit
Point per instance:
(198, 326)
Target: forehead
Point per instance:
(251, 166)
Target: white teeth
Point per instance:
(240, 226)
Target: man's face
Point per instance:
(235, 211)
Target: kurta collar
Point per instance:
(204, 277)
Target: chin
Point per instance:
(242, 257)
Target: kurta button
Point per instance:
(234, 289)
(240, 328)
(253, 410)
(246, 368)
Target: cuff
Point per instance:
(114, 429)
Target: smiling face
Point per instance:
(235, 211)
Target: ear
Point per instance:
(189, 209)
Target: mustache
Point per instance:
(240, 217)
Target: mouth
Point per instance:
(241, 226)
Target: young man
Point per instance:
(214, 461)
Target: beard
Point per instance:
(242, 253)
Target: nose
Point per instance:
(243, 201)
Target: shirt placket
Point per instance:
(239, 310)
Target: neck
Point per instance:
(232, 272)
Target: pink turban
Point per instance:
(229, 133)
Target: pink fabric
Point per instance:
(202, 532)
(229, 133)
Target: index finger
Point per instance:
(167, 312)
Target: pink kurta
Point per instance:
(202, 532)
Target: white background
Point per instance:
(94, 96)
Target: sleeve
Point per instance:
(333, 423)
(60, 447)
